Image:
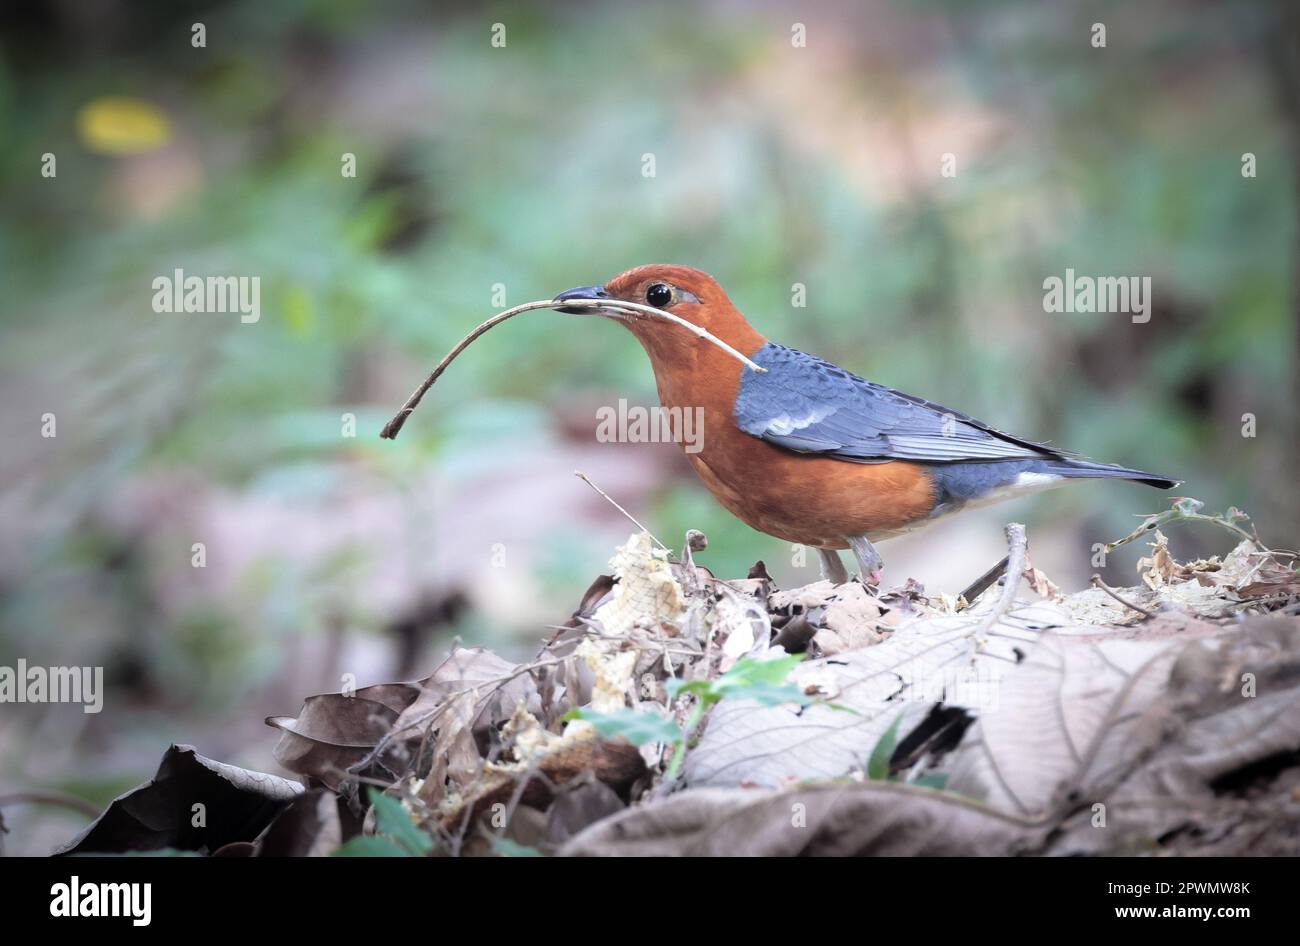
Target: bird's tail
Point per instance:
(1086, 469)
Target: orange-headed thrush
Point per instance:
(812, 453)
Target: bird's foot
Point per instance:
(869, 561)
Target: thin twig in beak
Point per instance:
(394, 426)
(617, 304)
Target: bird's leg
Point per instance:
(832, 567)
(869, 559)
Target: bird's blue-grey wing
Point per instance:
(809, 405)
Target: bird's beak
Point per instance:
(583, 292)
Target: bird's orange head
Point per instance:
(685, 292)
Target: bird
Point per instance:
(809, 452)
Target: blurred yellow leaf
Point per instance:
(299, 312)
(121, 125)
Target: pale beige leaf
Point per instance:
(927, 660)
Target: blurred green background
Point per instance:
(518, 169)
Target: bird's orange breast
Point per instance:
(815, 501)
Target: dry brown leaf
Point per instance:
(578, 807)
(1269, 589)
(852, 619)
(237, 805)
(1222, 730)
(847, 819)
(613, 762)
(333, 732)
(1040, 584)
(1158, 568)
(468, 671)
(309, 826)
(815, 595)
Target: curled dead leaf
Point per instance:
(237, 805)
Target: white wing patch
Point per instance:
(785, 424)
(1029, 481)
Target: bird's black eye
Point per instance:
(659, 295)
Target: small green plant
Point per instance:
(395, 834)
(762, 681)
(878, 762)
(1186, 509)
(636, 726)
